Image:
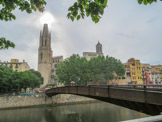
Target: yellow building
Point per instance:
(135, 71)
(16, 65)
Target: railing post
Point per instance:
(108, 91)
(89, 90)
(77, 89)
(145, 93)
(68, 89)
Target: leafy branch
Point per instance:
(6, 9)
(93, 8)
(5, 44)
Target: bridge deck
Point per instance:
(147, 99)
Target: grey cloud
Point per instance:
(125, 35)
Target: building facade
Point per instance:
(55, 61)
(15, 65)
(134, 71)
(155, 75)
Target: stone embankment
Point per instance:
(14, 101)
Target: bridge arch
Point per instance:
(140, 98)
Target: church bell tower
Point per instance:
(45, 55)
(99, 49)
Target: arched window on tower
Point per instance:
(41, 56)
(45, 42)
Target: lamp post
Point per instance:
(143, 77)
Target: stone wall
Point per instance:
(39, 99)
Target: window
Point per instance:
(16, 66)
(41, 56)
(123, 77)
(46, 42)
(55, 65)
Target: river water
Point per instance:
(89, 112)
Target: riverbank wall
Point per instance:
(16, 101)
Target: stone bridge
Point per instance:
(142, 98)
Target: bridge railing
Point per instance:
(84, 89)
(153, 87)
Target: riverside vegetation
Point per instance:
(12, 80)
(97, 70)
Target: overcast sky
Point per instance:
(126, 30)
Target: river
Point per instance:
(89, 112)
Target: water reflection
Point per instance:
(92, 112)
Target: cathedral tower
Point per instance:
(99, 49)
(45, 55)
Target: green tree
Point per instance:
(97, 70)
(26, 79)
(10, 80)
(17, 80)
(35, 78)
(5, 79)
(104, 68)
(74, 69)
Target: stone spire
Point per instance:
(45, 30)
(99, 48)
(45, 37)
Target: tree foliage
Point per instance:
(5, 44)
(7, 7)
(73, 69)
(145, 2)
(10, 80)
(98, 70)
(5, 79)
(6, 13)
(93, 8)
(106, 68)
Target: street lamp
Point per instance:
(143, 77)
